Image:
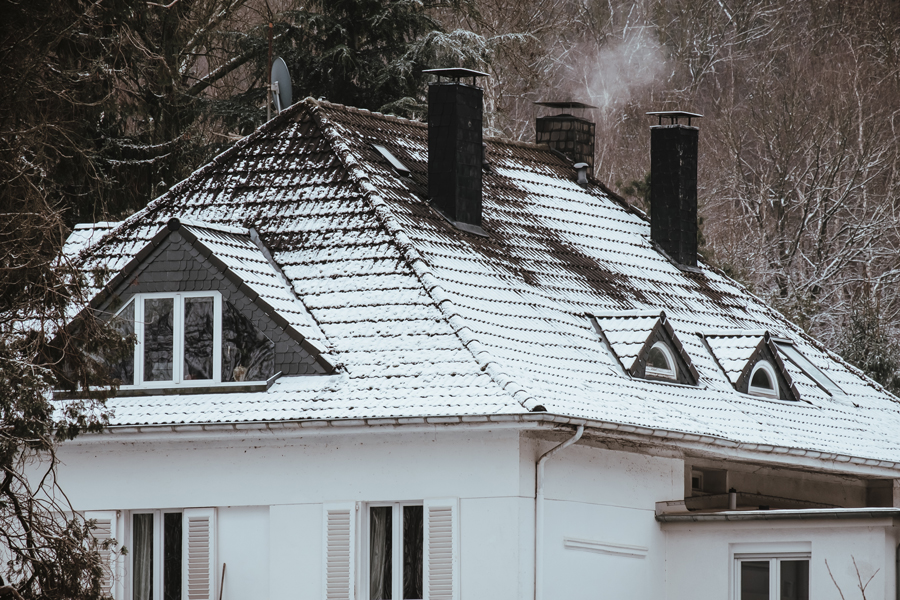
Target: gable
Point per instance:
(764, 352)
(738, 353)
(180, 263)
(632, 336)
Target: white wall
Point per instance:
(604, 501)
(700, 555)
(270, 490)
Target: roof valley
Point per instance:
(430, 283)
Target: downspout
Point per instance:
(897, 573)
(539, 512)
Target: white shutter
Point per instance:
(441, 549)
(199, 566)
(105, 529)
(340, 557)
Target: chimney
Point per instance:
(567, 134)
(455, 151)
(673, 186)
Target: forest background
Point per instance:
(105, 104)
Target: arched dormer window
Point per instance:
(661, 362)
(763, 381)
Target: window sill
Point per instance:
(182, 390)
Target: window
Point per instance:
(191, 338)
(772, 578)
(155, 555)
(396, 550)
(396, 544)
(171, 553)
(661, 362)
(763, 381)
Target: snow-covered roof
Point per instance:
(426, 319)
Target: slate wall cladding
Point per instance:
(176, 266)
(673, 191)
(569, 135)
(455, 150)
(659, 334)
(786, 389)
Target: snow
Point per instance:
(427, 320)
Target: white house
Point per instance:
(383, 359)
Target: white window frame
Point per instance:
(178, 341)
(157, 551)
(766, 366)
(774, 559)
(396, 548)
(672, 372)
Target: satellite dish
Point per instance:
(281, 84)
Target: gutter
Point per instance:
(782, 515)
(709, 445)
(539, 511)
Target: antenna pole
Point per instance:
(269, 92)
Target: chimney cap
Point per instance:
(674, 115)
(456, 73)
(569, 104)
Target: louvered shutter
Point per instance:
(199, 567)
(441, 549)
(105, 529)
(340, 555)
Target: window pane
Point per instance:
(755, 580)
(198, 338)
(795, 580)
(158, 339)
(761, 380)
(123, 370)
(380, 534)
(142, 551)
(172, 556)
(413, 542)
(657, 360)
(247, 354)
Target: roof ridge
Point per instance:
(360, 111)
(488, 363)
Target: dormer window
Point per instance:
(763, 381)
(661, 362)
(645, 346)
(190, 339)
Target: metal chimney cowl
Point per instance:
(455, 150)
(673, 187)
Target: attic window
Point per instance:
(190, 339)
(395, 162)
(661, 362)
(763, 381)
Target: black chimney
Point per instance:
(673, 186)
(567, 134)
(455, 149)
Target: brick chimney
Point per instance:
(455, 149)
(673, 186)
(567, 134)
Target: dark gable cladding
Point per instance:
(175, 260)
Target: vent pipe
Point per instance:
(567, 134)
(455, 146)
(673, 186)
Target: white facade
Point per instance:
(271, 490)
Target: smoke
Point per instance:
(622, 69)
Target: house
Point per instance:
(379, 358)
